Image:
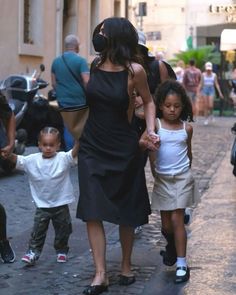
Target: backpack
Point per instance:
(154, 77)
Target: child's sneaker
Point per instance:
(61, 257)
(6, 252)
(29, 258)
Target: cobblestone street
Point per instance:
(211, 246)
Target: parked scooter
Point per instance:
(40, 114)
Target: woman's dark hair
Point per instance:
(122, 41)
(173, 87)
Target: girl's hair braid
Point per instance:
(50, 130)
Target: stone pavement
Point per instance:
(211, 244)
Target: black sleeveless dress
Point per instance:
(111, 175)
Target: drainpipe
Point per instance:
(59, 26)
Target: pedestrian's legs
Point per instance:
(210, 105)
(180, 232)
(126, 240)
(61, 221)
(169, 255)
(3, 223)
(206, 106)
(6, 252)
(182, 269)
(97, 240)
(38, 235)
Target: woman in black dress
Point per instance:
(111, 174)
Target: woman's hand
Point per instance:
(6, 151)
(149, 141)
(138, 102)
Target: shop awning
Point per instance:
(228, 40)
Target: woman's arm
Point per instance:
(75, 149)
(141, 86)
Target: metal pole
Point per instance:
(127, 9)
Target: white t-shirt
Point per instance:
(49, 179)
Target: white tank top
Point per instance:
(172, 156)
(208, 80)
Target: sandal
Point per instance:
(95, 290)
(126, 280)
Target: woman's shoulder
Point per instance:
(137, 71)
(136, 67)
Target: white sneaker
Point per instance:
(61, 257)
(206, 122)
(29, 258)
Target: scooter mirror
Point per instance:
(42, 67)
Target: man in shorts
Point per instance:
(191, 81)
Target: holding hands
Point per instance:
(149, 141)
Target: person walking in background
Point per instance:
(111, 174)
(207, 86)
(70, 75)
(159, 55)
(52, 191)
(179, 71)
(7, 142)
(191, 82)
(157, 72)
(174, 188)
(6, 252)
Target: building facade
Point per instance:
(168, 24)
(32, 31)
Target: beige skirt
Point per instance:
(174, 192)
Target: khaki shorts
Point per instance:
(174, 192)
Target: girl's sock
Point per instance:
(181, 261)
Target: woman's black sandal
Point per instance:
(95, 290)
(126, 280)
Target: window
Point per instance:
(31, 27)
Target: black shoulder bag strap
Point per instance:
(78, 79)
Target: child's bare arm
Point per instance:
(13, 158)
(152, 160)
